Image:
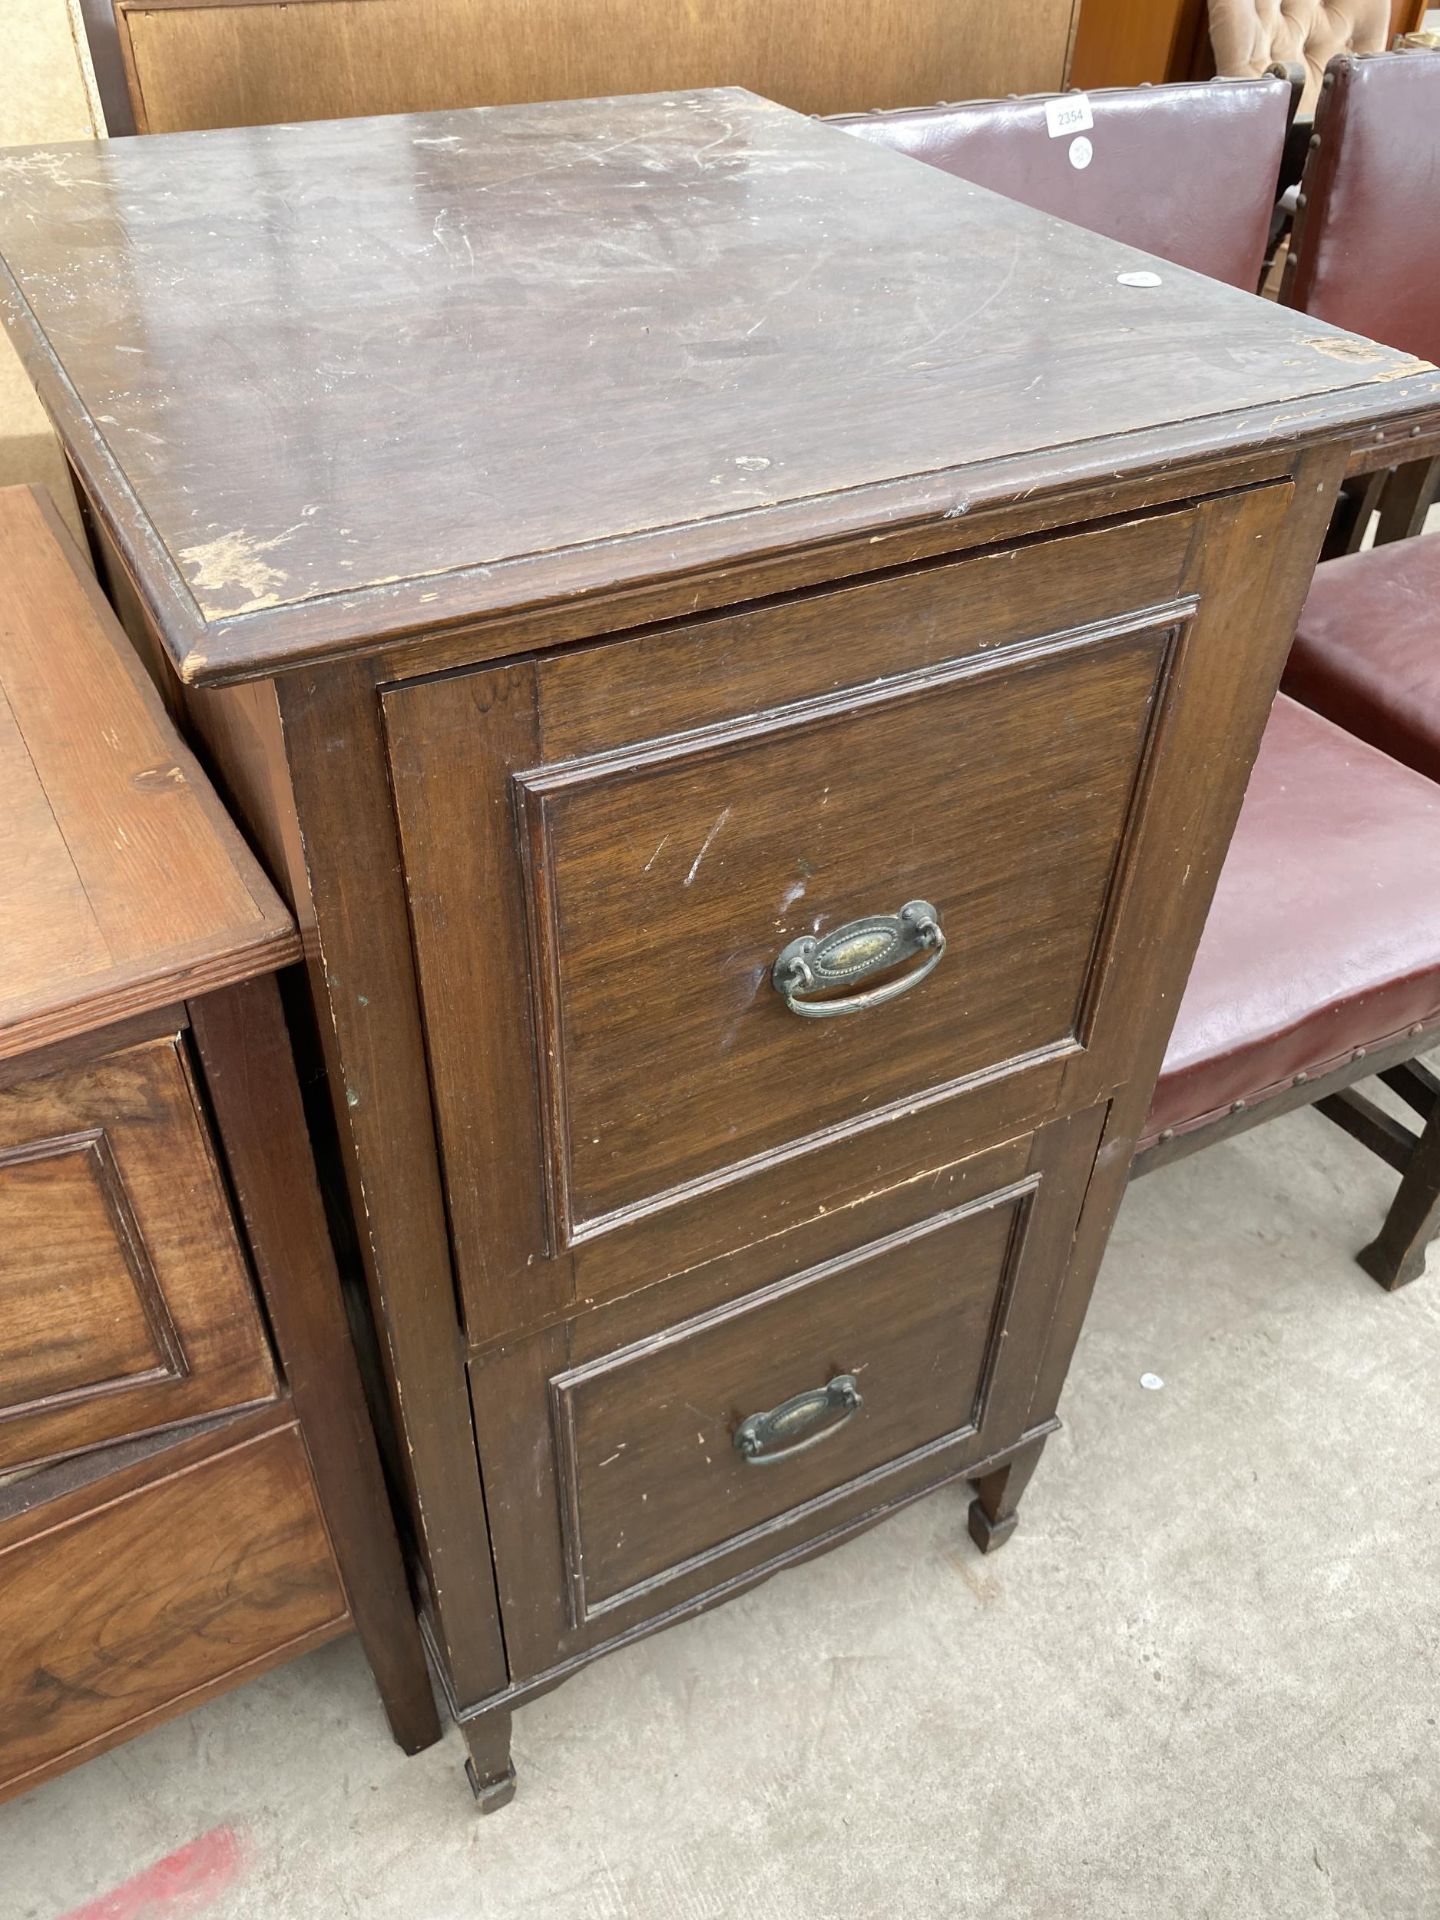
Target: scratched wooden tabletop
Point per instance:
(314, 361)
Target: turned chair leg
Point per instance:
(993, 1511)
(488, 1767)
(1397, 1253)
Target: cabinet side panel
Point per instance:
(363, 988)
(1251, 565)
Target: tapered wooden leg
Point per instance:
(993, 1511)
(488, 1767)
(1397, 1253)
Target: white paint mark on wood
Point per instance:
(709, 842)
(236, 562)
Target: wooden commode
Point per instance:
(189, 1490)
(744, 653)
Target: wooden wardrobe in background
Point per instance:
(167, 65)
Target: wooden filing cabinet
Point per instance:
(189, 1490)
(745, 653)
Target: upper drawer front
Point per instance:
(667, 883)
(124, 1299)
(607, 851)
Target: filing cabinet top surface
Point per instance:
(346, 380)
(123, 886)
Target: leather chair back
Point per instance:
(1250, 35)
(1366, 248)
(1187, 172)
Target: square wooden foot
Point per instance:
(993, 1511)
(491, 1795)
(488, 1767)
(989, 1534)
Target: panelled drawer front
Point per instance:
(654, 1477)
(125, 1303)
(132, 1599)
(666, 889)
(650, 822)
(615, 1493)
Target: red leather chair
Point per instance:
(1320, 961)
(1367, 257)
(1367, 650)
(1366, 248)
(1185, 172)
(1367, 243)
(1319, 966)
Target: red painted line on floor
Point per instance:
(184, 1882)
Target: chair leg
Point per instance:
(1356, 1114)
(1407, 500)
(993, 1516)
(1397, 1253)
(1416, 1085)
(1356, 504)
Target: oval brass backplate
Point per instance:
(819, 964)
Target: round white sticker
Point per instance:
(1081, 152)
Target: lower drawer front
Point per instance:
(615, 1492)
(122, 1606)
(690, 1444)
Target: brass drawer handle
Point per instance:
(756, 1437)
(853, 952)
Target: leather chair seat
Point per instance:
(1367, 650)
(1324, 934)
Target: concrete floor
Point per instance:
(1201, 1680)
